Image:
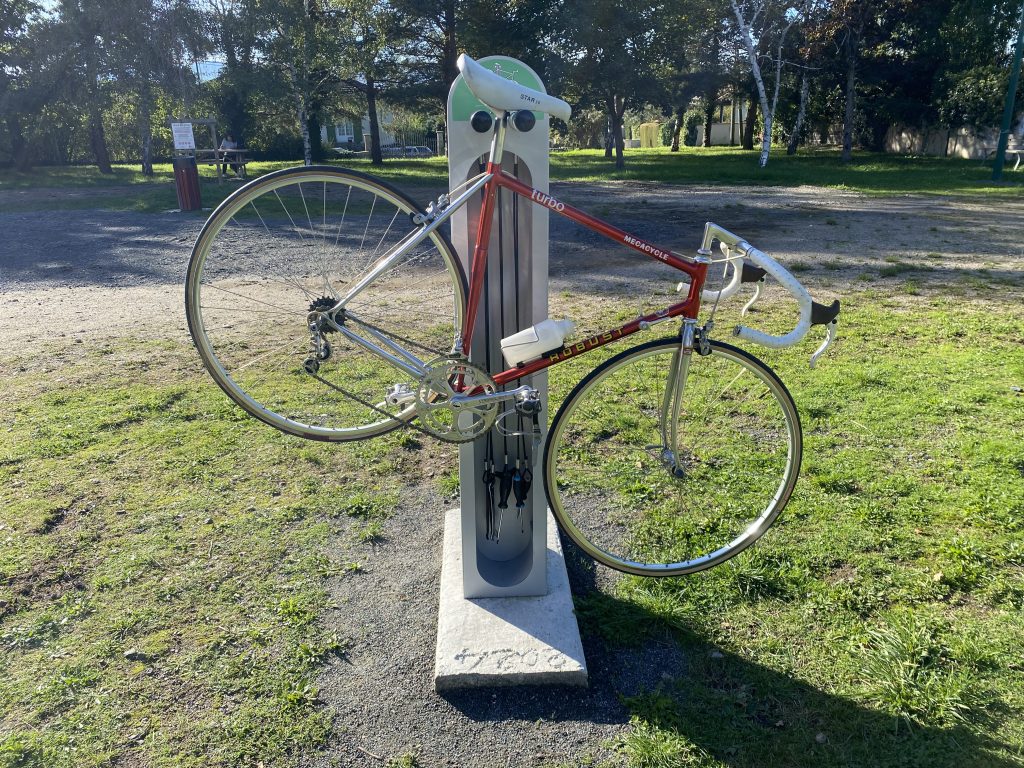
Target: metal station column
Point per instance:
(503, 556)
(506, 614)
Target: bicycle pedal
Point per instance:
(399, 395)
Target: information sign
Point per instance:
(183, 136)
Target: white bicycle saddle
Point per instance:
(508, 96)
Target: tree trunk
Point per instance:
(307, 148)
(711, 92)
(677, 129)
(376, 157)
(618, 109)
(609, 131)
(798, 126)
(709, 116)
(851, 95)
(770, 111)
(732, 120)
(316, 142)
(748, 127)
(755, 70)
(146, 131)
(302, 85)
(98, 140)
(21, 152)
(147, 152)
(766, 140)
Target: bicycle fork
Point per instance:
(673, 400)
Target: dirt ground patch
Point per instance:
(111, 274)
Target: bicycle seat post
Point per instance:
(498, 141)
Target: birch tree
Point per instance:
(809, 12)
(754, 20)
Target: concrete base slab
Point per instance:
(493, 641)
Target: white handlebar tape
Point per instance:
(791, 284)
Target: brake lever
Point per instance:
(754, 298)
(827, 316)
(831, 334)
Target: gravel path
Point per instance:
(113, 274)
(107, 275)
(383, 690)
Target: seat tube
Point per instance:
(498, 142)
(478, 264)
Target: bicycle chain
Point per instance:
(372, 407)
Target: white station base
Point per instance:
(492, 641)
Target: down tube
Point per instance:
(686, 308)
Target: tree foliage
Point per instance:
(975, 97)
(98, 80)
(615, 55)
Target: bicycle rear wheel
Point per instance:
(293, 242)
(640, 506)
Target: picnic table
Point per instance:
(221, 157)
(1015, 146)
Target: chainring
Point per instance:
(434, 392)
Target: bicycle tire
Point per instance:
(288, 240)
(614, 493)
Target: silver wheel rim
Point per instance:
(315, 217)
(571, 445)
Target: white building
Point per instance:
(343, 131)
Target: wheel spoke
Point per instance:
(734, 464)
(266, 269)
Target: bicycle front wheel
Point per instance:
(294, 242)
(654, 488)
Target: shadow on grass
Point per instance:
(687, 702)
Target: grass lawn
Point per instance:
(869, 173)
(164, 569)
(878, 622)
(165, 561)
(163, 566)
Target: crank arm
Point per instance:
(462, 401)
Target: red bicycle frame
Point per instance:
(499, 178)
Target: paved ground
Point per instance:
(85, 275)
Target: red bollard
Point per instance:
(186, 183)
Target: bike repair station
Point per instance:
(506, 613)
